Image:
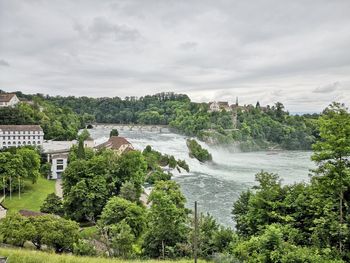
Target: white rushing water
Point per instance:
(217, 186)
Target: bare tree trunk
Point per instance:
(163, 252)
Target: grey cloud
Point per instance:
(258, 50)
(4, 63)
(327, 88)
(102, 28)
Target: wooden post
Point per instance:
(195, 238)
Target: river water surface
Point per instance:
(217, 186)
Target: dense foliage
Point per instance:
(196, 151)
(55, 232)
(306, 221)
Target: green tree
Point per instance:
(52, 205)
(119, 239)
(331, 154)
(60, 234)
(118, 209)
(15, 229)
(114, 132)
(166, 220)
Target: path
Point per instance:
(58, 188)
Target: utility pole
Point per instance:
(195, 238)
(10, 187)
(4, 182)
(19, 187)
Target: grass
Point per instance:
(32, 195)
(32, 256)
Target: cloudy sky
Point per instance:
(296, 52)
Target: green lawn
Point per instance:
(32, 195)
(31, 256)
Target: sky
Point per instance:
(296, 52)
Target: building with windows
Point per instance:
(21, 135)
(219, 106)
(58, 165)
(8, 100)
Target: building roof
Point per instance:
(60, 156)
(20, 128)
(29, 213)
(114, 143)
(6, 97)
(89, 139)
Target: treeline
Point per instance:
(258, 128)
(155, 109)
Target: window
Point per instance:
(38, 142)
(33, 142)
(29, 142)
(59, 161)
(59, 167)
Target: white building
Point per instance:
(8, 100)
(20, 135)
(219, 106)
(58, 165)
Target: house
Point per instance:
(116, 143)
(219, 106)
(59, 163)
(20, 135)
(8, 100)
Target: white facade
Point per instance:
(20, 135)
(58, 165)
(214, 106)
(8, 100)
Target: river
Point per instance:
(217, 186)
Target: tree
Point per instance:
(114, 132)
(52, 205)
(128, 191)
(166, 219)
(120, 239)
(15, 229)
(331, 154)
(118, 209)
(60, 234)
(31, 163)
(81, 149)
